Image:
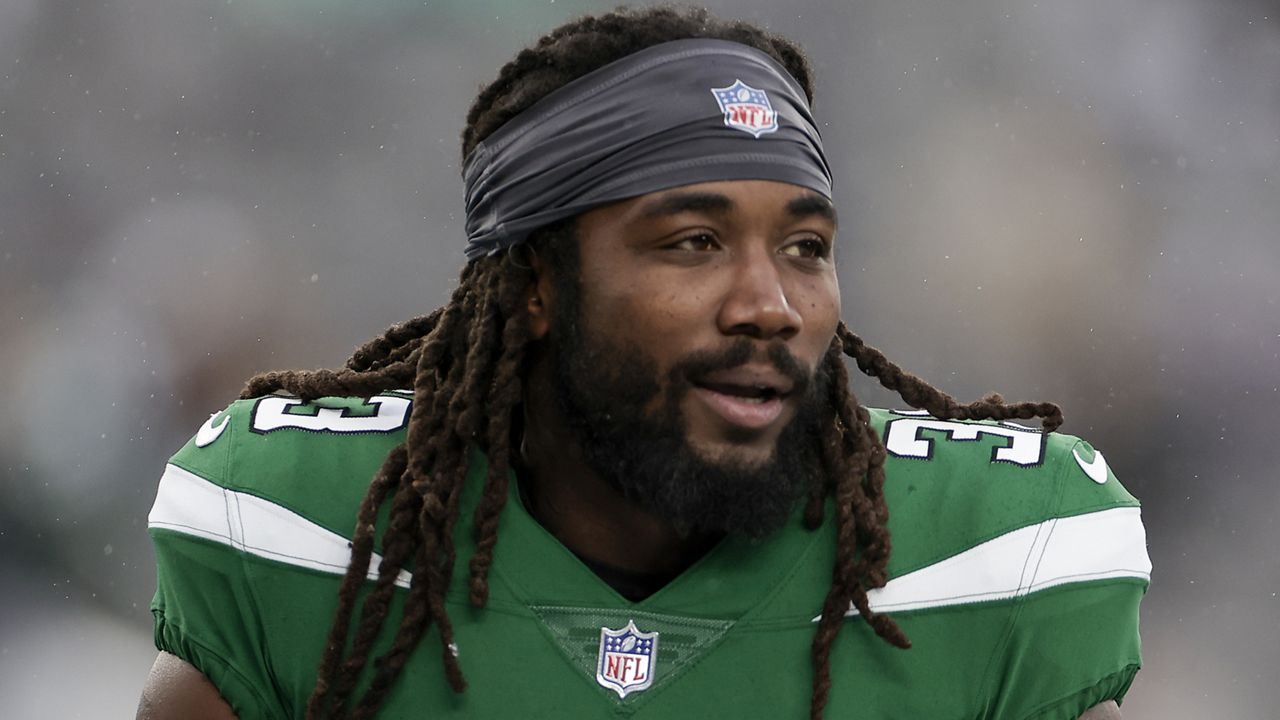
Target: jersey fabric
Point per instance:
(1017, 568)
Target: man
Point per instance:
(640, 383)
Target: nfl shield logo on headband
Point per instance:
(746, 108)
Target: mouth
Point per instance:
(751, 406)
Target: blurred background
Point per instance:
(1072, 200)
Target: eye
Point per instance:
(812, 248)
(695, 242)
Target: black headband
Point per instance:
(674, 114)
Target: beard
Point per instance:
(602, 392)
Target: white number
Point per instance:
(390, 413)
(904, 437)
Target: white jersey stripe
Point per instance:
(1101, 545)
(187, 503)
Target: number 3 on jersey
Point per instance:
(905, 437)
(379, 414)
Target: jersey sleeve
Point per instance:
(205, 609)
(1074, 642)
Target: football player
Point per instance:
(622, 473)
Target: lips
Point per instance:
(743, 412)
(748, 397)
(758, 393)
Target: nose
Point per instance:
(756, 304)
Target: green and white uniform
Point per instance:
(1017, 568)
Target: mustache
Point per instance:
(688, 370)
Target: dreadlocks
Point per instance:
(464, 362)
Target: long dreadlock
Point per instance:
(464, 362)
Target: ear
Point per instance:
(538, 298)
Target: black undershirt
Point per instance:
(632, 585)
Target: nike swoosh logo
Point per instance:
(209, 432)
(1096, 470)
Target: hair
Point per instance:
(465, 363)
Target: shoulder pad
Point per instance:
(315, 458)
(970, 482)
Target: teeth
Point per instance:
(753, 395)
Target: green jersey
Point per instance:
(1017, 568)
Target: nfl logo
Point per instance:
(626, 660)
(746, 108)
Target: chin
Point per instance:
(733, 455)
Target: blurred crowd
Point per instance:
(1071, 201)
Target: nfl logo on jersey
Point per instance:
(746, 108)
(626, 660)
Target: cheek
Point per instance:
(654, 311)
(818, 301)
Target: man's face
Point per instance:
(687, 365)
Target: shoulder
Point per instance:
(1019, 465)
(1032, 537)
(953, 486)
(251, 526)
(313, 459)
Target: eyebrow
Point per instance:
(812, 204)
(677, 203)
(807, 205)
